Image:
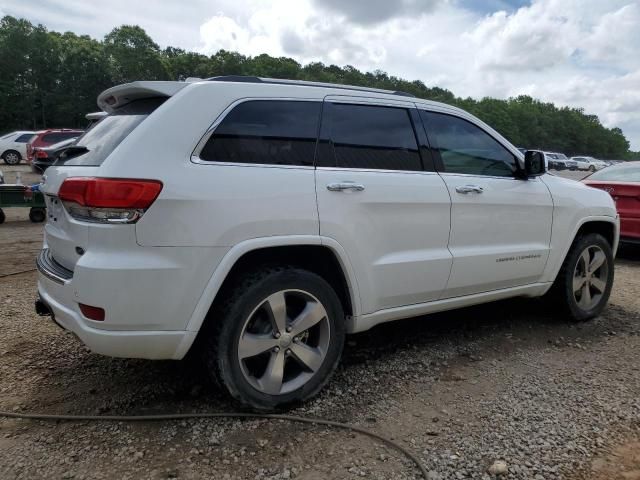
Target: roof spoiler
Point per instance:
(120, 95)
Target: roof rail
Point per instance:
(304, 83)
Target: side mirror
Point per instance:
(534, 163)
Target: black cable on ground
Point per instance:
(183, 416)
(17, 273)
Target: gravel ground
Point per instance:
(506, 382)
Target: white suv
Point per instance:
(13, 146)
(261, 220)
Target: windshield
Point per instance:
(621, 173)
(98, 142)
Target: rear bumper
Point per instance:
(154, 345)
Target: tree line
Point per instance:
(50, 79)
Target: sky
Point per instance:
(580, 53)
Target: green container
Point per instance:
(22, 196)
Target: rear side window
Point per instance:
(24, 138)
(274, 132)
(368, 136)
(96, 144)
(466, 148)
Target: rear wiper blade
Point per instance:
(70, 152)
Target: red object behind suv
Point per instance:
(44, 138)
(622, 181)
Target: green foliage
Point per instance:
(48, 79)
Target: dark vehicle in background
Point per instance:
(44, 157)
(45, 138)
(622, 181)
(559, 161)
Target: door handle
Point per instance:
(469, 189)
(340, 186)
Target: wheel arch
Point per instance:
(324, 257)
(606, 226)
(9, 150)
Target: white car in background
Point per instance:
(13, 146)
(590, 163)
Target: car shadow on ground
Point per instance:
(628, 253)
(78, 381)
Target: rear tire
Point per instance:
(11, 157)
(584, 283)
(276, 338)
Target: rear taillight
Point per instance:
(108, 200)
(41, 154)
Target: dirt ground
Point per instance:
(507, 381)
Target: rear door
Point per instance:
(500, 224)
(375, 199)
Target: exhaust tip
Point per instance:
(42, 308)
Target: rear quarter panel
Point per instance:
(210, 204)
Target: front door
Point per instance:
(500, 224)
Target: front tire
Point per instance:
(11, 157)
(584, 283)
(276, 339)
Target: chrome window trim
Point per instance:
(375, 170)
(475, 175)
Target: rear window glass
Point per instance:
(626, 173)
(273, 132)
(96, 144)
(371, 137)
(56, 137)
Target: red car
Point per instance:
(44, 138)
(622, 181)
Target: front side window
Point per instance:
(274, 132)
(466, 148)
(372, 137)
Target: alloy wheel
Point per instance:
(284, 341)
(590, 277)
(12, 158)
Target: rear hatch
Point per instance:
(66, 235)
